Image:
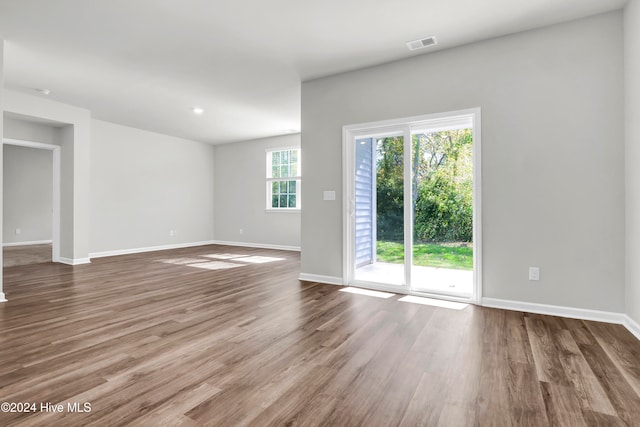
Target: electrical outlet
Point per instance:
(241, 231)
(18, 231)
(534, 273)
(172, 233)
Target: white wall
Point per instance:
(240, 195)
(632, 120)
(553, 155)
(75, 142)
(28, 194)
(145, 184)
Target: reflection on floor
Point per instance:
(427, 279)
(25, 255)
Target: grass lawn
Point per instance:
(445, 255)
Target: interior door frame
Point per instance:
(55, 245)
(404, 126)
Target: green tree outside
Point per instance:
(442, 184)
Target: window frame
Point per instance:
(270, 179)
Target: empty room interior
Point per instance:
(331, 213)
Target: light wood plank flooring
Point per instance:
(226, 336)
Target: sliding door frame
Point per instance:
(403, 127)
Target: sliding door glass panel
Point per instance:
(379, 210)
(442, 207)
(364, 215)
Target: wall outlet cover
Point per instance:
(534, 273)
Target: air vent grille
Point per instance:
(422, 43)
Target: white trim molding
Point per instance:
(632, 326)
(75, 261)
(555, 310)
(329, 280)
(189, 245)
(570, 312)
(257, 245)
(2, 297)
(149, 249)
(35, 242)
(283, 210)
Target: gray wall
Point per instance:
(74, 139)
(28, 180)
(145, 184)
(25, 130)
(28, 194)
(240, 195)
(632, 120)
(552, 153)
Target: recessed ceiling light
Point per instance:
(43, 91)
(197, 110)
(290, 130)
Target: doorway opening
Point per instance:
(23, 251)
(412, 198)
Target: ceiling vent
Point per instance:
(421, 43)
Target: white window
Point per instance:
(283, 178)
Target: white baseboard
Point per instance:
(149, 249)
(188, 245)
(556, 310)
(258, 245)
(36, 242)
(632, 326)
(75, 261)
(2, 298)
(330, 280)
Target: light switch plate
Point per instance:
(329, 195)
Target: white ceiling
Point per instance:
(146, 63)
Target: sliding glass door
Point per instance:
(442, 209)
(411, 217)
(379, 225)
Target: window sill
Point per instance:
(289, 211)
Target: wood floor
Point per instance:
(225, 336)
(25, 255)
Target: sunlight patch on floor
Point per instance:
(434, 302)
(182, 261)
(259, 259)
(367, 292)
(224, 256)
(251, 259)
(221, 261)
(206, 264)
(215, 265)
